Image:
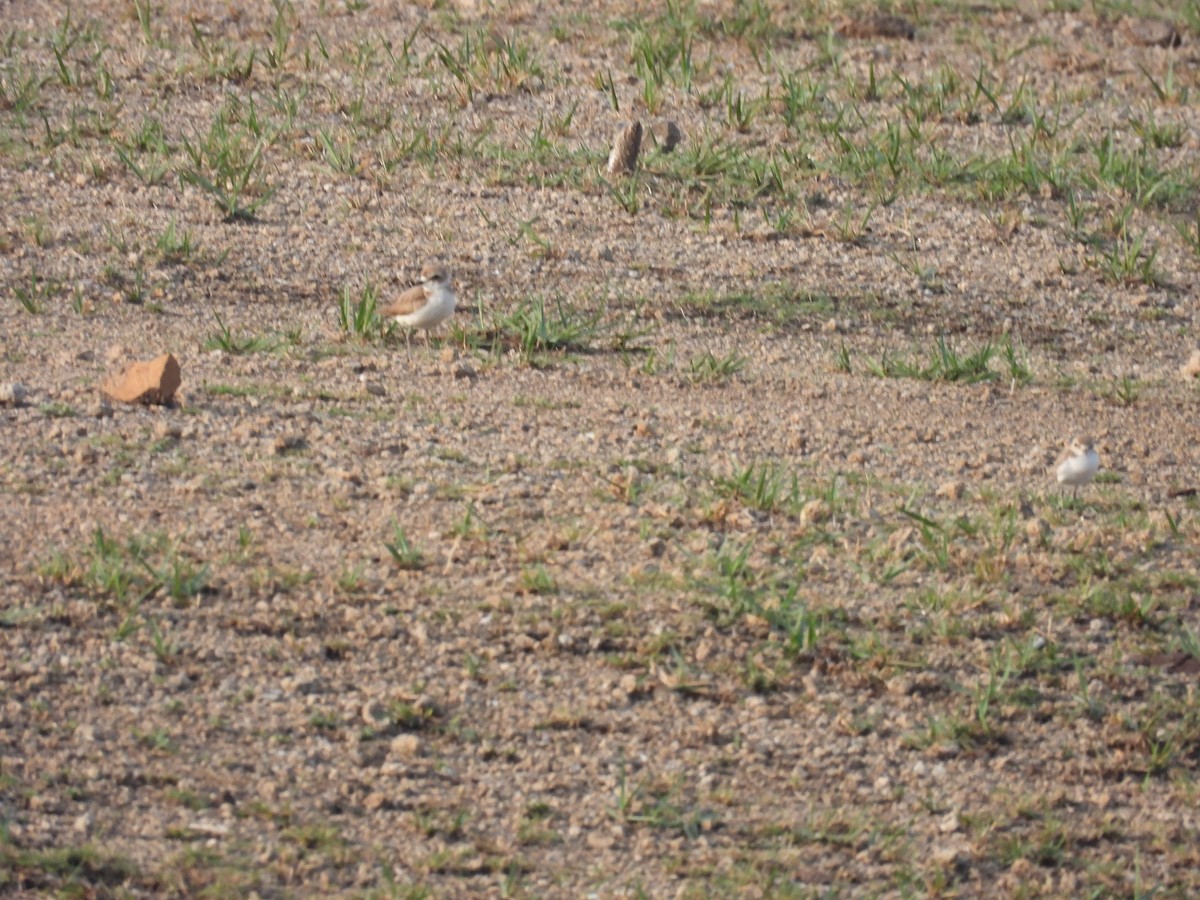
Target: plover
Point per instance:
(424, 305)
(1078, 464)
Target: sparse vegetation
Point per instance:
(403, 553)
(717, 533)
(224, 339)
(943, 363)
(226, 163)
(358, 318)
(34, 294)
(125, 574)
(538, 328)
(708, 367)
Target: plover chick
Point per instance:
(1078, 464)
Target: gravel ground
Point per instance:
(688, 597)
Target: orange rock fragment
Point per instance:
(154, 382)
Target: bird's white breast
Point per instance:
(439, 306)
(1079, 469)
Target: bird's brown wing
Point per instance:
(408, 302)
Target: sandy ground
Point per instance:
(668, 592)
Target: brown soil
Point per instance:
(688, 608)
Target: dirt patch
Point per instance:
(712, 547)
